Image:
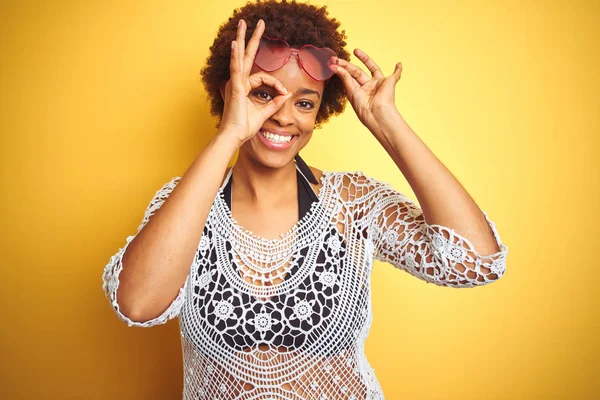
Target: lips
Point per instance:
(276, 145)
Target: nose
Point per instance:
(284, 116)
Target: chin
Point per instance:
(274, 160)
(270, 157)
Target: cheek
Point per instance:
(306, 137)
(305, 140)
(307, 123)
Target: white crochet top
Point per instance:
(287, 318)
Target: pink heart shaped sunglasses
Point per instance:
(274, 53)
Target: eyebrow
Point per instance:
(308, 91)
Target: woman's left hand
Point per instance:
(370, 96)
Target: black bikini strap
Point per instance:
(305, 170)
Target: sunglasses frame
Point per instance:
(298, 52)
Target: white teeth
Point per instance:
(276, 138)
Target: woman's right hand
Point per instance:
(243, 118)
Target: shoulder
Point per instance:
(346, 176)
(316, 172)
(351, 186)
(356, 180)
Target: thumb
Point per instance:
(397, 72)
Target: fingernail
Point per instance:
(239, 23)
(284, 90)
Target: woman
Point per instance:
(272, 315)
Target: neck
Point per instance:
(258, 184)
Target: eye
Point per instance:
(307, 105)
(262, 95)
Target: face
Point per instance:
(296, 118)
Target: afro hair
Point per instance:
(297, 24)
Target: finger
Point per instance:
(262, 78)
(397, 72)
(233, 60)
(350, 84)
(369, 63)
(356, 72)
(273, 106)
(253, 46)
(234, 69)
(241, 42)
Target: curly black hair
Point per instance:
(296, 23)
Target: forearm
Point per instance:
(441, 197)
(157, 261)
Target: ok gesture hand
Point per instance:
(241, 117)
(370, 96)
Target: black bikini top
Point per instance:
(291, 338)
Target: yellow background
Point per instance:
(101, 103)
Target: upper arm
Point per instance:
(112, 270)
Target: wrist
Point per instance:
(228, 139)
(387, 119)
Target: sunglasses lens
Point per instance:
(316, 61)
(271, 54)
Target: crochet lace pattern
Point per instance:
(287, 318)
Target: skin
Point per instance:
(260, 202)
(264, 196)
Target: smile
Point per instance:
(276, 142)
